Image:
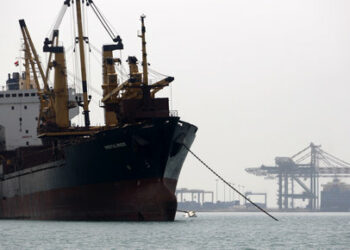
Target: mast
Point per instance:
(82, 64)
(144, 52)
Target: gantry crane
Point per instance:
(309, 164)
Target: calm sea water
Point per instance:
(207, 231)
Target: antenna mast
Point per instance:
(144, 52)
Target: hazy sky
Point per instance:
(259, 78)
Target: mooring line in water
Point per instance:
(221, 178)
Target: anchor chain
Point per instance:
(228, 184)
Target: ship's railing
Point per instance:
(173, 113)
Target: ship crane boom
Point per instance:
(28, 39)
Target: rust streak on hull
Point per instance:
(142, 200)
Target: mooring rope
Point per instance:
(228, 184)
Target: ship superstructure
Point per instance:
(125, 170)
(19, 125)
(19, 109)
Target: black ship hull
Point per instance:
(127, 173)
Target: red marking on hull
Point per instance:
(148, 200)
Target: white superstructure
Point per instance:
(19, 111)
(19, 114)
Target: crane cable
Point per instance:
(221, 178)
(335, 158)
(300, 152)
(102, 19)
(72, 75)
(302, 158)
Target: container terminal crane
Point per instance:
(305, 168)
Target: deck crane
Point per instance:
(47, 111)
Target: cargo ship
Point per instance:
(51, 169)
(335, 196)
